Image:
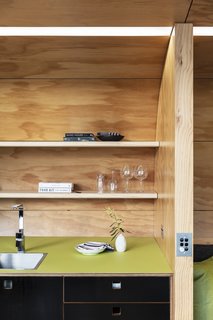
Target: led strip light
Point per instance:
(203, 31)
(98, 31)
(86, 31)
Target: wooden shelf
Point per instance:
(134, 144)
(75, 195)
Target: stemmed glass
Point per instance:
(127, 174)
(141, 174)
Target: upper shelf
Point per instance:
(133, 144)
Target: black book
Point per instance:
(79, 138)
(76, 134)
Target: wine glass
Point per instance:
(127, 174)
(141, 173)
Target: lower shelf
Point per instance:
(76, 195)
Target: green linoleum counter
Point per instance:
(143, 256)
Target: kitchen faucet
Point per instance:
(20, 239)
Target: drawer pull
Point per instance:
(8, 284)
(116, 311)
(116, 285)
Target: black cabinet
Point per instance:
(127, 298)
(24, 298)
(90, 298)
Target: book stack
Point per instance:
(55, 187)
(75, 136)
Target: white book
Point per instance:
(56, 190)
(55, 184)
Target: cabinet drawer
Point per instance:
(118, 289)
(130, 311)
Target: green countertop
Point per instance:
(143, 256)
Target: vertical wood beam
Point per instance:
(183, 278)
(174, 164)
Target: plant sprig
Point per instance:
(117, 225)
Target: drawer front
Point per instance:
(131, 311)
(116, 289)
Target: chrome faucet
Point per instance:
(20, 239)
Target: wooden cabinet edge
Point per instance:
(82, 195)
(84, 144)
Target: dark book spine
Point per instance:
(79, 139)
(72, 134)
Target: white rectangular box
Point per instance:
(56, 190)
(55, 184)
(55, 187)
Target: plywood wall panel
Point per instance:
(203, 119)
(46, 109)
(78, 100)
(164, 163)
(93, 13)
(203, 112)
(203, 65)
(76, 223)
(82, 57)
(23, 168)
(83, 204)
(203, 171)
(203, 227)
(201, 13)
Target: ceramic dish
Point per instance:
(109, 136)
(89, 250)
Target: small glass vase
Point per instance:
(113, 184)
(100, 183)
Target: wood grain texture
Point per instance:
(93, 13)
(183, 279)
(203, 226)
(184, 127)
(164, 163)
(84, 205)
(29, 166)
(203, 176)
(203, 112)
(203, 241)
(81, 144)
(46, 109)
(201, 13)
(78, 195)
(203, 119)
(75, 223)
(82, 57)
(203, 51)
(175, 181)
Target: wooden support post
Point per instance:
(174, 165)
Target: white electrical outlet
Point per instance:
(184, 244)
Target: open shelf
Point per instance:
(133, 144)
(76, 195)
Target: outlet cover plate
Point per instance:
(184, 244)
